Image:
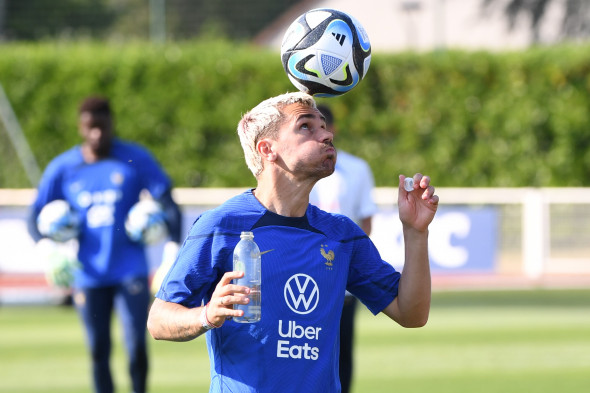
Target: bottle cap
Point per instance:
(409, 184)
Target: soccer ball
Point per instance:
(58, 221)
(326, 52)
(146, 222)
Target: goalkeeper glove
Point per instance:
(60, 260)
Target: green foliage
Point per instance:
(474, 119)
(182, 101)
(464, 118)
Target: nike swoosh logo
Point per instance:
(264, 252)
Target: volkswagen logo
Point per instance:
(302, 293)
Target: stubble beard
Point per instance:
(324, 169)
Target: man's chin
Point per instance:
(327, 171)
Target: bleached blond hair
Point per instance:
(264, 121)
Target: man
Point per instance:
(102, 179)
(347, 191)
(309, 259)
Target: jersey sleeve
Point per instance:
(373, 281)
(202, 260)
(50, 186)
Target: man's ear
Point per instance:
(265, 149)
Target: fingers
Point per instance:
(225, 296)
(225, 286)
(424, 181)
(433, 200)
(419, 182)
(221, 308)
(229, 300)
(229, 276)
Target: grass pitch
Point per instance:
(521, 341)
(529, 341)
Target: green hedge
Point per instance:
(465, 118)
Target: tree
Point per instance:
(35, 19)
(130, 19)
(576, 17)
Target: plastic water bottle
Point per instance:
(247, 259)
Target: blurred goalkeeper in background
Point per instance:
(101, 179)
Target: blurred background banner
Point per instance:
(462, 239)
(481, 239)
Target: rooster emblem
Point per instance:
(328, 255)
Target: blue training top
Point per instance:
(308, 264)
(102, 193)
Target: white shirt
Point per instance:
(348, 190)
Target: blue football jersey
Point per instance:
(102, 194)
(307, 264)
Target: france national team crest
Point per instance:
(328, 255)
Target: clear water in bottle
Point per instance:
(247, 259)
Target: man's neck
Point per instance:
(89, 155)
(284, 197)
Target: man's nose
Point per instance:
(327, 136)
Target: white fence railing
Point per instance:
(539, 231)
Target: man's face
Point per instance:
(97, 132)
(304, 145)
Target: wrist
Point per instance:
(409, 230)
(204, 319)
